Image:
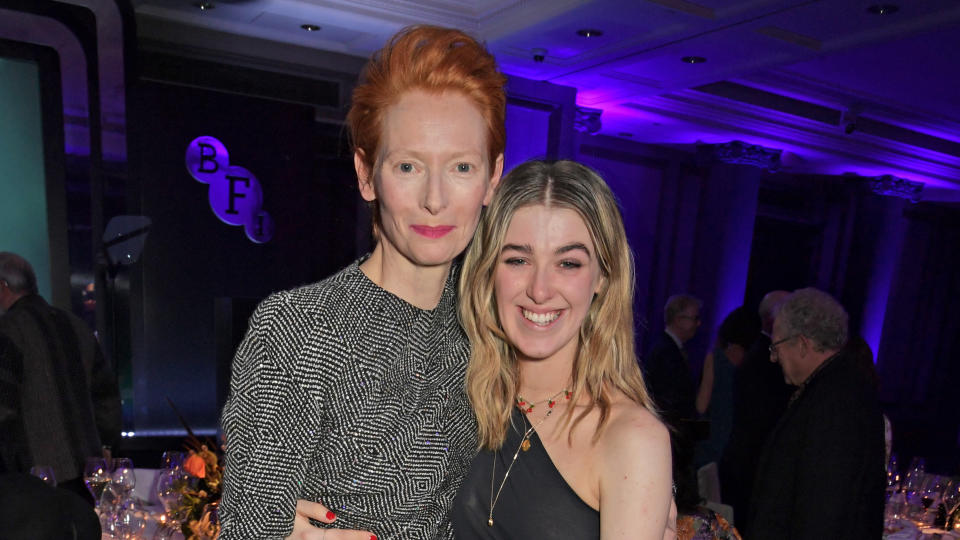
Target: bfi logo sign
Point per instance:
(235, 194)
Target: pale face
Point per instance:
(545, 279)
(433, 177)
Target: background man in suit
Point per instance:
(821, 473)
(759, 398)
(59, 402)
(670, 382)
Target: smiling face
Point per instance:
(432, 178)
(544, 282)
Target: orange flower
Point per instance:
(195, 465)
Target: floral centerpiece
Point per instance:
(200, 494)
(200, 488)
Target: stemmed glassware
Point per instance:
(124, 476)
(951, 501)
(172, 459)
(45, 473)
(912, 483)
(930, 490)
(131, 519)
(169, 490)
(96, 476)
(116, 498)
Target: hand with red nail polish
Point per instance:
(304, 530)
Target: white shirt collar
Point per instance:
(674, 337)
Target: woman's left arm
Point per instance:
(635, 478)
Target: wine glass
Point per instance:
(951, 499)
(893, 476)
(911, 486)
(916, 470)
(96, 476)
(124, 476)
(131, 519)
(165, 531)
(930, 490)
(170, 484)
(45, 473)
(172, 459)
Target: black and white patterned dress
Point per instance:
(345, 394)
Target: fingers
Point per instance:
(337, 534)
(317, 511)
(303, 530)
(313, 533)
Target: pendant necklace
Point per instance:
(526, 408)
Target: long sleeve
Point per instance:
(270, 424)
(12, 436)
(345, 394)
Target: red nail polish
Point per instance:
(373, 537)
(331, 516)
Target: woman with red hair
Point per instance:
(350, 391)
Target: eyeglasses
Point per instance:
(691, 317)
(773, 346)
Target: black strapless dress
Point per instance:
(536, 502)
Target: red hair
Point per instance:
(434, 60)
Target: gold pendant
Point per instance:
(490, 522)
(525, 445)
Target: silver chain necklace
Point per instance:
(524, 445)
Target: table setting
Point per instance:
(921, 505)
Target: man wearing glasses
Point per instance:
(821, 474)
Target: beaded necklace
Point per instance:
(526, 408)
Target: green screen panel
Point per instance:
(23, 198)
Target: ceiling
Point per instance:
(836, 86)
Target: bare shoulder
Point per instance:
(635, 475)
(633, 429)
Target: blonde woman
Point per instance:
(571, 446)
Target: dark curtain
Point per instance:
(918, 357)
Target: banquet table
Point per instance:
(145, 491)
(904, 529)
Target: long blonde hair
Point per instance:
(605, 360)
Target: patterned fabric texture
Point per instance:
(58, 398)
(705, 524)
(345, 394)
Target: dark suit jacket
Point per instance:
(58, 399)
(821, 474)
(760, 396)
(669, 380)
(670, 383)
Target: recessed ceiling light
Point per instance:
(883, 9)
(693, 59)
(589, 32)
(310, 27)
(204, 5)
